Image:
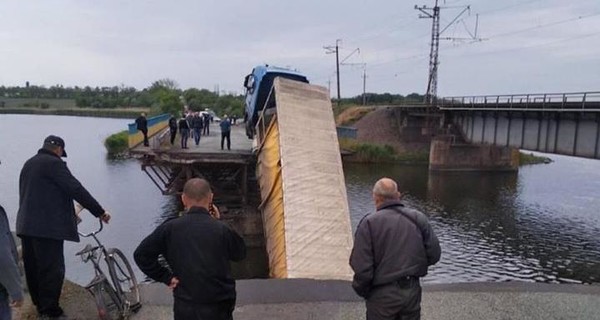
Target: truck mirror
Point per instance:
(249, 82)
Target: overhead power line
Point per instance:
(530, 46)
(555, 23)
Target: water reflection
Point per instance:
(488, 229)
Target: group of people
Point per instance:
(197, 246)
(393, 247)
(194, 124)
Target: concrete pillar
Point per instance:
(446, 156)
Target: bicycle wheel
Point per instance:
(105, 297)
(124, 281)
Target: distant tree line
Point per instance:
(385, 98)
(165, 96)
(162, 96)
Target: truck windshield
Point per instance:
(267, 82)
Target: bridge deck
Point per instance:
(208, 150)
(169, 166)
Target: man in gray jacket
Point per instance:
(393, 248)
(10, 280)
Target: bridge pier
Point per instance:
(446, 155)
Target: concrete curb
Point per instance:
(279, 291)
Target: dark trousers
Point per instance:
(225, 135)
(173, 134)
(44, 264)
(184, 310)
(396, 301)
(206, 128)
(184, 137)
(145, 133)
(197, 135)
(5, 310)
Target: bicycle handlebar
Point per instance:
(93, 233)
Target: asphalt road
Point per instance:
(332, 300)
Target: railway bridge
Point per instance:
(485, 132)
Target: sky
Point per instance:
(522, 46)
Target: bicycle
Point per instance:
(119, 298)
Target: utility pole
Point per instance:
(365, 85)
(434, 51)
(336, 49)
(434, 14)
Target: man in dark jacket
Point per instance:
(184, 131)
(142, 125)
(393, 248)
(206, 127)
(198, 249)
(225, 132)
(46, 218)
(197, 125)
(173, 128)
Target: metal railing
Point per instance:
(581, 101)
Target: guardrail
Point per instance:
(581, 101)
(155, 125)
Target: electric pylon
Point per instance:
(434, 51)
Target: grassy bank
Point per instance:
(349, 115)
(374, 153)
(530, 158)
(117, 144)
(81, 112)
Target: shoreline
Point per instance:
(80, 112)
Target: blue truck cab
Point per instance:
(258, 85)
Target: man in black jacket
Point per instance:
(197, 125)
(198, 249)
(142, 125)
(393, 248)
(173, 128)
(46, 218)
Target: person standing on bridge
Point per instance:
(142, 125)
(184, 131)
(46, 218)
(173, 128)
(197, 124)
(225, 132)
(198, 248)
(206, 118)
(393, 248)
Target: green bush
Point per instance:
(374, 153)
(117, 143)
(530, 158)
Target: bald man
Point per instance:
(393, 248)
(198, 248)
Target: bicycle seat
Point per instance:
(86, 249)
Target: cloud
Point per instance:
(208, 43)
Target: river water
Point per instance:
(541, 224)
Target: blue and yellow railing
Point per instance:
(156, 124)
